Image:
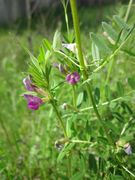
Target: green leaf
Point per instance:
(56, 38)
(68, 127)
(100, 43)
(128, 52)
(131, 82)
(120, 22)
(110, 31)
(103, 140)
(127, 108)
(92, 163)
(34, 60)
(65, 151)
(118, 116)
(47, 44)
(82, 164)
(120, 88)
(112, 127)
(42, 54)
(97, 95)
(77, 176)
(108, 93)
(95, 54)
(80, 98)
(116, 177)
(126, 29)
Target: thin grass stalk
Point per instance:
(83, 67)
(128, 10)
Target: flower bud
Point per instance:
(64, 106)
(60, 67)
(28, 84)
(73, 78)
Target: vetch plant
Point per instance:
(95, 119)
(33, 101)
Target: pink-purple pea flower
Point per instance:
(73, 78)
(33, 101)
(28, 84)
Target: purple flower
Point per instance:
(73, 78)
(33, 101)
(128, 149)
(28, 84)
(59, 67)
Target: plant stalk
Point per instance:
(74, 96)
(109, 71)
(128, 10)
(59, 118)
(82, 64)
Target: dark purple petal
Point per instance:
(68, 77)
(28, 84)
(73, 78)
(33, 101)
(33, 105)
(72, 81)
(77, 76)
(32, 98)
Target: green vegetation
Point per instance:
(27, 143)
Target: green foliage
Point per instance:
(33, 145)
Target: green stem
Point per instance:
(127, 170)
(80, 142)
(128, 10)
(109, 71)
(69, 158)
(59, 118)
(66, 19)
(66, 15)
(82, 64)
(74, 96)
(65, 133)
(78, 38)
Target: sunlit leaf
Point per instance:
(95, 54)
(100, 43)
(110, 31)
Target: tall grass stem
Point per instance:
(128, 10)
(82, 64)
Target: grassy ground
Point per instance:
(27, 138)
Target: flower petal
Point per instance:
(128, 149)
(73, 78)
(28, 84)
(60, 67)
(33, 105)
(33, 101)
